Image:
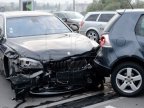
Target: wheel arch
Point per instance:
(92, 29)
(134, 59)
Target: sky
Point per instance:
(63, 1)
(52, 1)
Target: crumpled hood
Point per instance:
(54, 47)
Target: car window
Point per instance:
(111, 23)
(92, 17)
(105, 17)
(34, 25)
(140, 26)
(60, 15)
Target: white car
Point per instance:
(70, 17)
(94, 23)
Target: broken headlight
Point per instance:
(30, 63)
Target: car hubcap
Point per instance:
(92, 35)
(128, 80)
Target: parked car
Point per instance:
(94, 23)
(122, 52)
(41, 55)
(70, 17)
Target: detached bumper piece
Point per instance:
(22, 84)
(67, 76)
(57, 77)
(50, 91)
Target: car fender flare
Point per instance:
(92, 28)
(123, 59)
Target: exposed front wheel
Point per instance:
(92, 34)
(128, 79)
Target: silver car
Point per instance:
(70, 17)
(94, 23)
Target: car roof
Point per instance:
(66, 12)
(130, 10)
(23, 13)
(101, 12)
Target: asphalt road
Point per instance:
(82, 99)
(121, 102)
(6, 95)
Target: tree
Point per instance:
(95, 6)
(100, 5)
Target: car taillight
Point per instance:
(104, 41)
(81, 23)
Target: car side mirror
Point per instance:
(74, 27)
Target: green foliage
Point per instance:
(112, 6)
(99, 5)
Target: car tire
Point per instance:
(128, 79)
(92, 34)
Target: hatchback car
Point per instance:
(41, 55)
(122, 52)
(94, 23)
(70, 17)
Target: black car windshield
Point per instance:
(34, 26)
(74, 15)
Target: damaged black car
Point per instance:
(41, 55)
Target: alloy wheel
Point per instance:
(128, 80)
(92, 35)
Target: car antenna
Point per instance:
(130, 4)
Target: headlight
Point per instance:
(30, 63)
(94, 43)
(11, 54)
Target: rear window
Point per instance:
(112, 22)
(60, 15)
(92, 17)
(105, 17)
